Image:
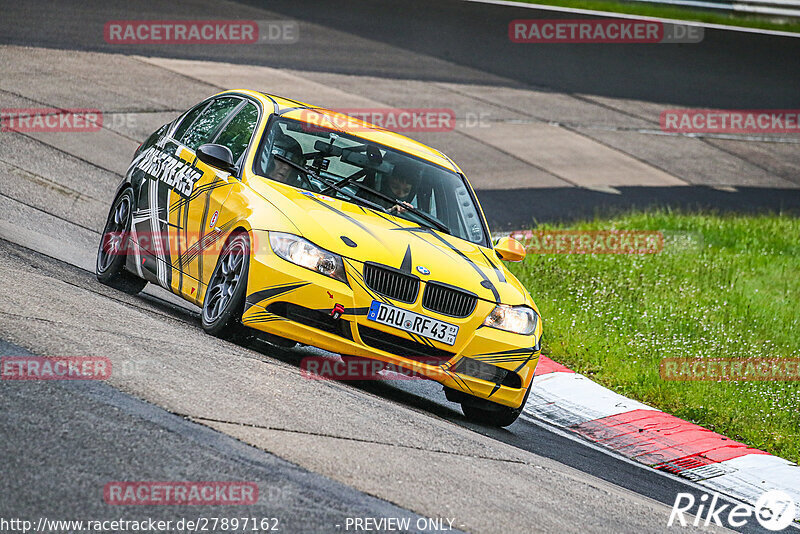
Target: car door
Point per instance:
(172, 192)
(211, 221)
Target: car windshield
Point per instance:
(356, 170)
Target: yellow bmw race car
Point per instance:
(314, 227)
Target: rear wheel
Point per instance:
(113, 252)
(224, 302)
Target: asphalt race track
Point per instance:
(185, 406)
(606, 99)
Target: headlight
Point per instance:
(517, 319)
(306, 254)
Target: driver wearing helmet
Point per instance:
(281, 171)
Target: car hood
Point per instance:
(381, 238)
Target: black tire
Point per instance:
(490, 413)
(113, 251)
(224, 301)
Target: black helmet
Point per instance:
(288, 147)
(284, 146)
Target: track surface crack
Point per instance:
(350, 438)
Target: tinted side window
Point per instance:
(236, 135)
(207, 122)
(188, 119)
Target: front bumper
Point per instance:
(295, 303)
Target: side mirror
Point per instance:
(508, 249)
(217, 156)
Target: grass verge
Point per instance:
(723, 286)
(787, 24)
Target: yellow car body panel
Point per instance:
(199, 224)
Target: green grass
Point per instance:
(723, 286)
(680, 13)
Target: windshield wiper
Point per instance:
(330, 184)
(346, 181)
(405, 205)
(399, 203)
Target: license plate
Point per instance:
(413, 322)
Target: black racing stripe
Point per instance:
(499, 360)
(344, 215)
(184, 201)
(185, 210)
(486, 282)
(193, 252)
(458, 380)
(195, 249)
(262, 315)
(274, 291)
(494, 390)
(263, 312)
(500, 276)
(261, 321)
(417, 338)
(520, 351)
(523, 364)
(208, 239)
(261, 318)
(163, 228)
(359, 279)
(348, 311)
(374, 296)
(180, 252)
(406, 265)
(196, 193)
(203, 222)
(384, 217)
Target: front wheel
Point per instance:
(113, 251)
(224, 302)
(489, 413)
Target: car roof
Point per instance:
(329, 119)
